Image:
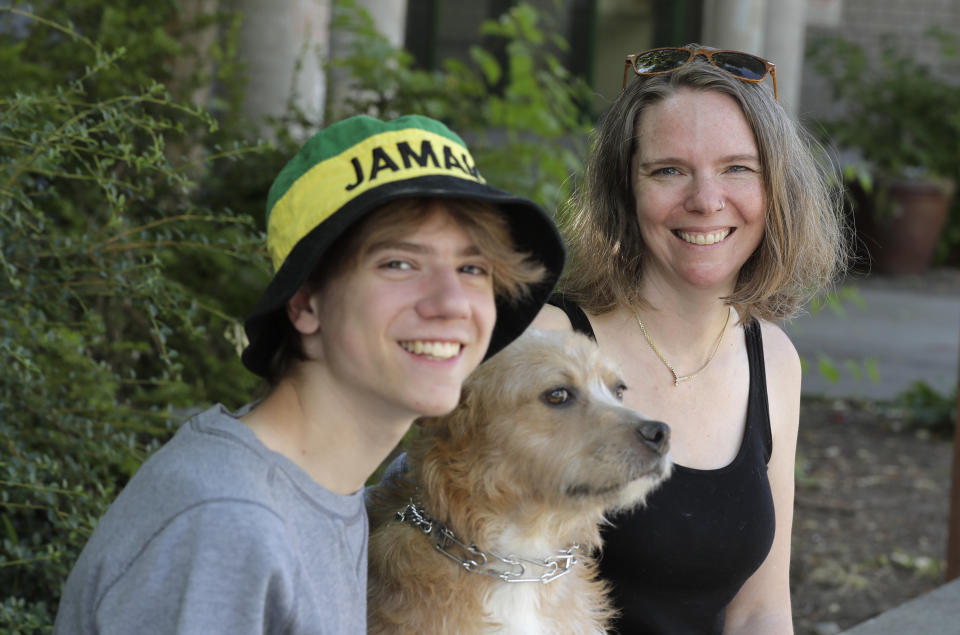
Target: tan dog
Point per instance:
(492, 522)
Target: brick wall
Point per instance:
(874, 24)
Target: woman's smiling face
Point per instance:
(699, 189)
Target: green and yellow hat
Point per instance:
(354, 167)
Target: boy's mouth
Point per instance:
(432, 349)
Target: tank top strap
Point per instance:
(578, 319)
(758, 407)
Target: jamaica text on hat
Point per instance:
(350, 158)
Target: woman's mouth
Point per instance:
(702, 238)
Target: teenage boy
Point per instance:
(397, 271)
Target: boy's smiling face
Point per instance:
(403, 327)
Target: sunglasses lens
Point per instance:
(660, 60)
(741, 65)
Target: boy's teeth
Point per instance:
(704, 239)
(434, 350)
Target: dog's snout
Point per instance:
(655, 435)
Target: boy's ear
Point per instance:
(303, 310)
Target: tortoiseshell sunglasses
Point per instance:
(743, 66)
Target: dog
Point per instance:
(492, 521)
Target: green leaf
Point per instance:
(488, 64)
(828, 369)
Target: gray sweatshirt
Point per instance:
(218, 534)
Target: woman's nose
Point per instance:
(705, 197)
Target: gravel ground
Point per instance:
(870, 518)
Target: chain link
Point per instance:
(477, 561)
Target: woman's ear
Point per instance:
(303, 310)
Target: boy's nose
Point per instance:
(444, 297)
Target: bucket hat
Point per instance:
(353, 168)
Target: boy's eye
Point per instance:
(474, 270)
(401, 265)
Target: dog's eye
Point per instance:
(556, 396)
(618, 391)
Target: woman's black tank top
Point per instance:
(676, 563)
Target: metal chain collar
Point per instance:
(477, 561)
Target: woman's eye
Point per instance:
(399, 265)
(556, 396)
(666, 171)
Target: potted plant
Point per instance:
(900, 122)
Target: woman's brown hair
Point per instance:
(804, 242)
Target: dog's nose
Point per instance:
(655, 435)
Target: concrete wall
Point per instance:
(772, 29)
(272, 38)
(276, 35)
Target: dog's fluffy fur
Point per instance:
(516, 469)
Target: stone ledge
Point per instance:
(932, 613)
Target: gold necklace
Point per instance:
(677, 378)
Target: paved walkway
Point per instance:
(910, 327)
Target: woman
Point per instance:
(703, 218)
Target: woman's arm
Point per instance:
(762, 606)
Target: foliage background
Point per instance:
(131, 232)
(899, 114)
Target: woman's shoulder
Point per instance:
(552, 318)
(783, 379)
(777, 347)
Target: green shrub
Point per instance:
(523, 117)
(924, 408)
(107, 340)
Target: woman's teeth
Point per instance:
(703, 239)
(433, 350)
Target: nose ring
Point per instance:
(722, 205)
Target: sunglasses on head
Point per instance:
(743, 66)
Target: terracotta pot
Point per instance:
(901, 224)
